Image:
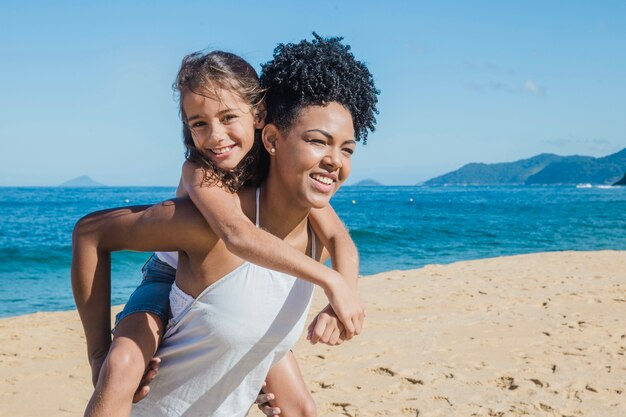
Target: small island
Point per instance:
(368, 182)
(80, 182)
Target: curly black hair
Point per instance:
(318, 72)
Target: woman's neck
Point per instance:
(278, 212)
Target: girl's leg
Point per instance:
(291, 395)
(135, 341)
(136, 338)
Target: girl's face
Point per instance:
(313, 158)
(222, 127)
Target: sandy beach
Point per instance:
(529, 335)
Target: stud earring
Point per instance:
(273, 150)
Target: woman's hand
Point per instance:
(263, 402)
(347, 304)
(143, 389)
(96, 364)
(326, 328)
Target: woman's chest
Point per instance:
(251, 305)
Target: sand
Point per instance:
(529, 335)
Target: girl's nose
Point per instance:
(217, 134)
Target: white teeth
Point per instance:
(219, 151)
(322, 179)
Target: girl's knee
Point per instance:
(124, 364)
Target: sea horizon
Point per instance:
(421, 185)
(394, 227)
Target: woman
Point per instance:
(224, 337)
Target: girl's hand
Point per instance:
(326, 328)
(348, 306)
(96, 365)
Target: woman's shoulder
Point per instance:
(188, 218)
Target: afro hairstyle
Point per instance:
(318, 72)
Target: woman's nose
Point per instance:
(333, 157)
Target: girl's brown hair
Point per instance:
(204, 73)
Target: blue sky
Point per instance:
(85, 87)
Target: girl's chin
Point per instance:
(224, 164)
(226, 167)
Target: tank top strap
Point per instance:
(313, 242)
(311, 232)
(258, 194)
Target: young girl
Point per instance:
(221, 107)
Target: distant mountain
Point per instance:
(541, 169)
(502, 173)
(622, 181)
(82, 181)
(368, 182)
(583, 169)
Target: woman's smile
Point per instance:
(324, 182)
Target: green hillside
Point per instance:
(583, 169)
(541, 169)
(492, 174)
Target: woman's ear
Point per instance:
(260, 114)
(269, 135)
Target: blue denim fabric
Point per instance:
(153, 294)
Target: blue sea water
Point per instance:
(393, 227)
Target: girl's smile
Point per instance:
(222, 126)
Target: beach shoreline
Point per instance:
(540, 334)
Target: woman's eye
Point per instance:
(197, 125)
(317, 141)
(348, 151)
(228, 117)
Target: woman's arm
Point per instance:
(95, 236)
(180, 190)
(221, 210)
(91, 285)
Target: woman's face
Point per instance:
(222, 126)
(313, 158)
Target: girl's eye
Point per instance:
(348, 151)
(197, 125)
(228, 117)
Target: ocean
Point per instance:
(393, 227)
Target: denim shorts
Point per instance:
(153, 294)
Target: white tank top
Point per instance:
(170, 258)
(218, 349)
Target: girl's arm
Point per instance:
(335, 237)
(343, 253)
(221, 210)
(97, 235)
